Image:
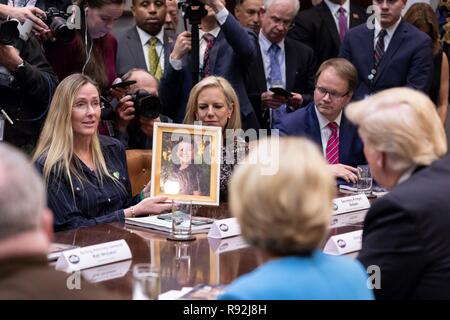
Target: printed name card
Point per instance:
(225, 245)
(224, 228)
(108, 272)
(344, 243)
(350, 203)
(93, 256)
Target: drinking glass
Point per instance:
(146, 281)
(364, 184)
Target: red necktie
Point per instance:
(206, 70)
(333, 144)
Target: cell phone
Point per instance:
(122, 84)
(281, 92)
(201, 222)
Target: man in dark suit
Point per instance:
(389, 52)
(321, 27)
(146, 45)
(324, 122)
(406, 239)
(226, 50)
(280, 62)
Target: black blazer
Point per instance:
(406, 233)
(316, 28)
(300, 65)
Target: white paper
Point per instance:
(228, 244)
(174, 294)
(344, 243)
(350, 204)
(224, 228)
(93, 256)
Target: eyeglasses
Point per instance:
(288, 24)
(333, 94)
(84, 106)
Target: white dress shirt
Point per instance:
(264, 45)
(334, 7)
(145, 38)
(389, 33)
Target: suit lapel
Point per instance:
(328, 20)
(346, 135)
(135, 48)
(169, 41)
(260, 74)
(366, 52)
(394, 45)
(290, 65)
(312, 128)
(220, 40)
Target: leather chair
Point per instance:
(139, 168)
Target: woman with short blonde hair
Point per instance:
(285, 213)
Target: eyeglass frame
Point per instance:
(277, 21)
(333, 95)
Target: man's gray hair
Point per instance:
(22, 193)
(269, 3)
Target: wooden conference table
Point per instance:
(183, 264)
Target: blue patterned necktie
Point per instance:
(274, 69)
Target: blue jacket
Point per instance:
(315, 277)
(303, 122)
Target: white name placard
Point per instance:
(350, 203)
(224, 228)
(344, 243)
(348, 219)
(93, 256)
(225, 245)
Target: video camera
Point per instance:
(57, 22)
(193, 10)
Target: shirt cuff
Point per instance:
(176, 64)
(222, 16)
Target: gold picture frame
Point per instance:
(186, 163)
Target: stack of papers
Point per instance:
(376, 190)
(154, 222)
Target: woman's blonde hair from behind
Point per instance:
(286, 212)
(56, 139)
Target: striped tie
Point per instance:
(342, 19)
(333, 144)
(206, 70)
(379, 49)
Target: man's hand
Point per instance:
(345, 172)
(9, 57)
(271, 100)
(23, 14)
(147, 125)
(125, 113)
(216, 5)
(295, 101)
(183, 45)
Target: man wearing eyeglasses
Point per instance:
(389, 52)
(280, 63)
(324, 122)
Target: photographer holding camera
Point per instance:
(27, 83)
(138, 110)
(225, 49)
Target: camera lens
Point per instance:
(8, 32)
(60, 29)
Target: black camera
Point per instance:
(57, 22)
(146, 105)
(193, 10)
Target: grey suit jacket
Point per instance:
(130, 54)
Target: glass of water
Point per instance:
(181, 221)
(364, 184)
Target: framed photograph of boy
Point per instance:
(186, 163)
